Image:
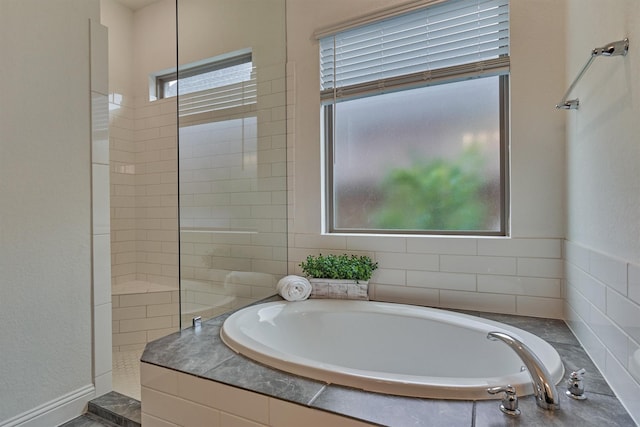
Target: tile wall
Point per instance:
(603, 310)
(140, 316)
(144, 191)
(176, 399)
(123, 188)
(515, 276)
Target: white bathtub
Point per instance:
(387, 348)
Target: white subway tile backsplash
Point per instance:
(376, 243)
(319, 242)
(385, 276)
(540, 267)
(446, 246)
(407, 261)
(576, 255)
(405, 294)
(591, 288)
(612, 272)
(478, 264)
(578, 303)
(493, 303)
(625, 313)
(439, 280)
(515, 285)
(532, 248)
(623, 385)
(540, 307)
(609, 334)
(587, 338)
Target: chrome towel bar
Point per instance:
(618, 48)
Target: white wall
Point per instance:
(521, 274)
(603, 192)
(46, 297)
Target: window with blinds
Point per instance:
(452, 40)
(415, 115)
(215, 84)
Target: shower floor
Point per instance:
(126, 372)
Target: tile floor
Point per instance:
(126, 373)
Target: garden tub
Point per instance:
(387, 348)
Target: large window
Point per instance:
(415, 121)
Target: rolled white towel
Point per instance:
(294, 288)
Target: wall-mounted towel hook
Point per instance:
(619, 48)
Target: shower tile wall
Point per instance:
(123, 189)
(237, 186)
(143, 219)
(156, 193)
(144, 192)
(233, 199)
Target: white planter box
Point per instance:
(339, 289)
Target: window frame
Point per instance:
(213, 64)
(439, 76)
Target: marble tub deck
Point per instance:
(203, 354)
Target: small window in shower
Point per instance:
(218, 83)
(415, 115)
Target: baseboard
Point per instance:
(55, 412)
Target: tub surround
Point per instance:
(200, 376)
(357, 344)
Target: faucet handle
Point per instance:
(509, 403)
(575, 385)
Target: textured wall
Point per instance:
(45, 188)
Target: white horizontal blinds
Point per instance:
(220, 98)
(431, 44)
(218, 85)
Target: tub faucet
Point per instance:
(544, 389)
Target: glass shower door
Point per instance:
(231, 87)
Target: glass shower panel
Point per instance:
(231, 87)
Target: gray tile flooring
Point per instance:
(110, 410)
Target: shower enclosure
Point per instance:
(232, 134)
(198, 137)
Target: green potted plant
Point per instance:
(339, 276)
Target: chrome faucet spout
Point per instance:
(544, 389)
